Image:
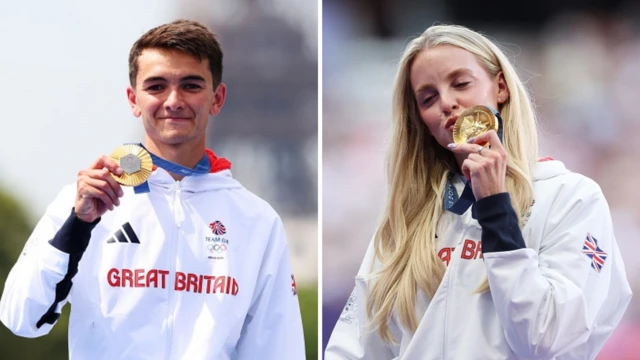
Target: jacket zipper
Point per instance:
(178, 216)
(446, 310)
(451, 269)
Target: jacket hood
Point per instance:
(195, 183)
(218, 178)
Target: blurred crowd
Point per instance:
(582, 68)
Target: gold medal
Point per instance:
(473, 122)
(135, 162)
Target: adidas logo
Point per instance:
(124, 235)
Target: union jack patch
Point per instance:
(594, 252)
(294, 287)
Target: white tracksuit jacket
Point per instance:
(548, 300)
(195, 269)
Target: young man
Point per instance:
(190, 265)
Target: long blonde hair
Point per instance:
(418, 168)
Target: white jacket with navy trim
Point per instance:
(550, 296)
(195, 269)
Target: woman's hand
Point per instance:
(485, 168)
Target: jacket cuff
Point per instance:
(73, 237)
(499, 222)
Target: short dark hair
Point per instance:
(187, 36)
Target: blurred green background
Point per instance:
(15, 228)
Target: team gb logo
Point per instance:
(218, 228)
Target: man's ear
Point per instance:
(220, 94)
(133, 102)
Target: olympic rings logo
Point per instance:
(217, 247)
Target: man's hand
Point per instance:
(98, 191)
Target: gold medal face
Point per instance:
(473, 122)
(135, 163)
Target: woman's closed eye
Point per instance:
(428, 100)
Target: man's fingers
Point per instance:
(102, 174)
(97, 189)
(105, 188)
(89, 193)
(100, 179)
(105, 161)
(117, 189)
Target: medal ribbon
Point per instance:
(460, 204)
(202, 167)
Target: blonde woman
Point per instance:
(530, 270)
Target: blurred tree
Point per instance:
(15, 228)
(308, 298)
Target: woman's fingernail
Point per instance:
(452, 145)
(471, 140)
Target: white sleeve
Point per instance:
(560, 300)
(352, 337)
(273, 327)
(29, 306)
